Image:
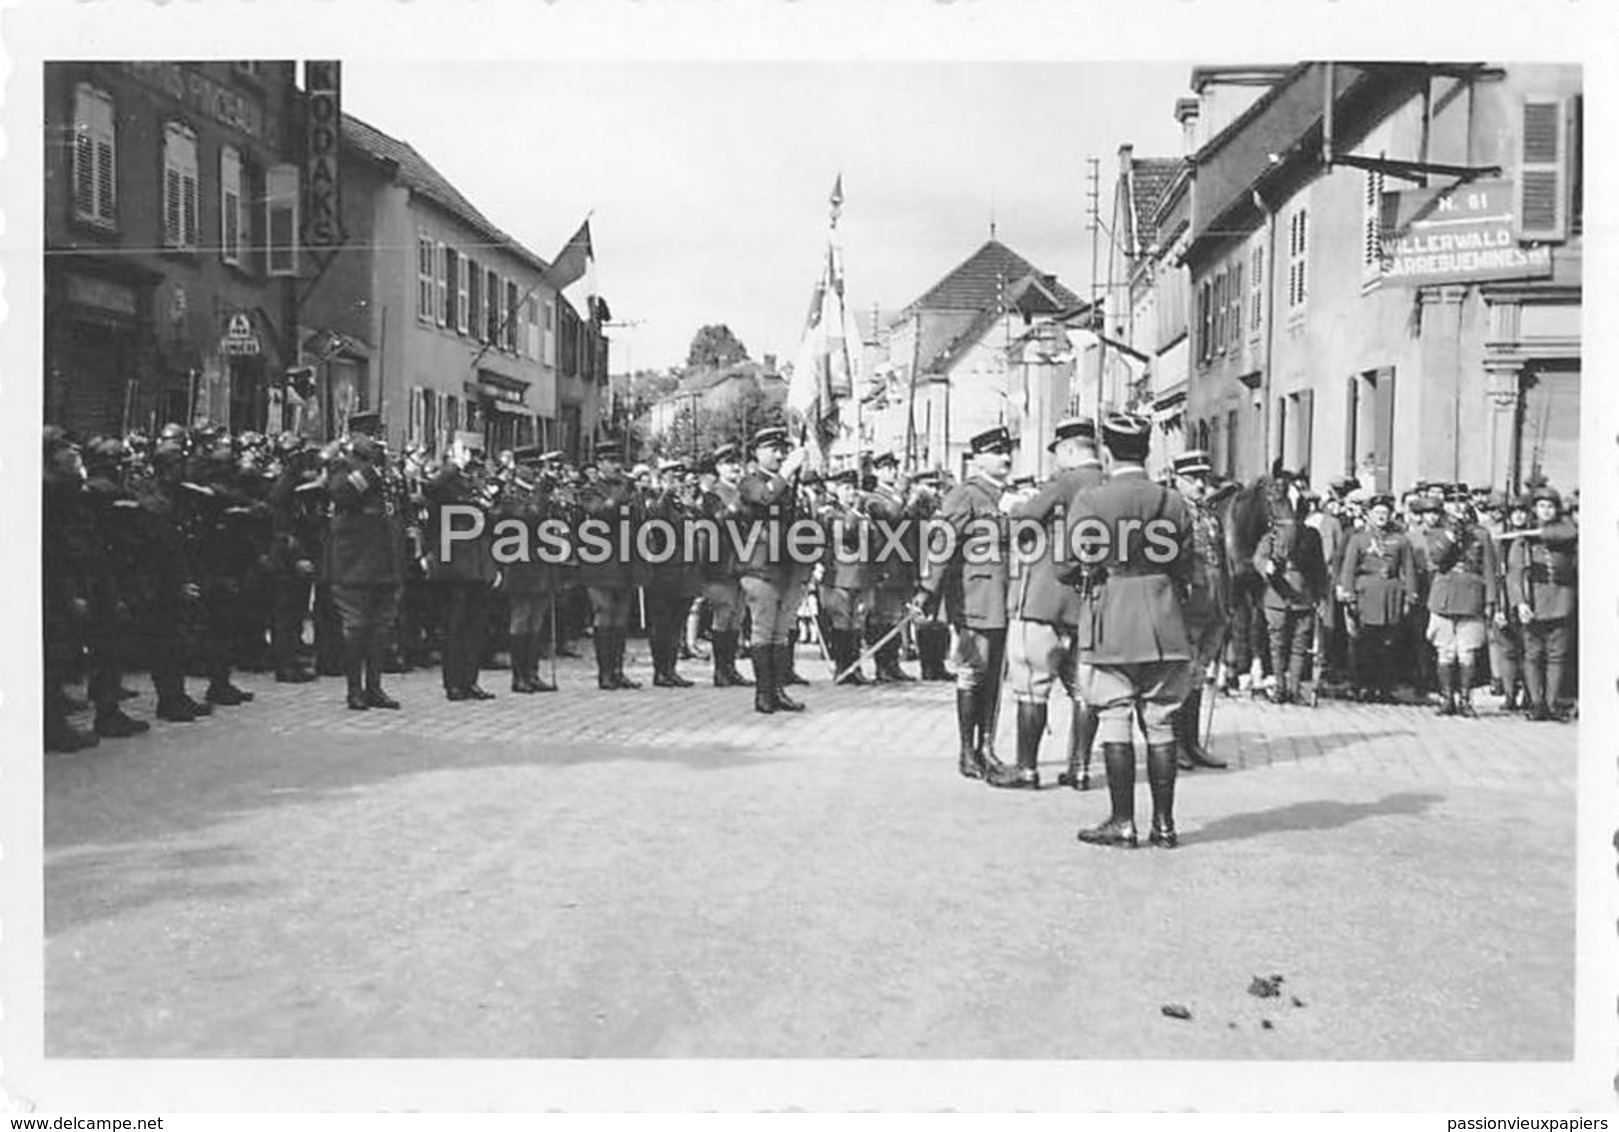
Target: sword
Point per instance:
(871, 650)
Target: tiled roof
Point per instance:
(1149, 177)
(414, 171)
(983, 278)
(966, 340)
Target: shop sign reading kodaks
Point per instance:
(323, 222)
(1463, 234)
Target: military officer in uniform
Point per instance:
(463, 568)
(115, 516)
(1506, 634)
(1134, 651)
(365, 560)
(1291, 561)
(671, 584)
(1207, 608)
(298, 509)
(169, 581)
(614, 499)
(932, 634)
(1461, 601)
(1044, 610)
(1542, 583)
(771, 580)
(719, 568)
(971, 586)
(845, 577)
(892, 581)
(528, 582)
(1376, 583)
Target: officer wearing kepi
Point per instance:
(972, 587)
(719, 568)
(1134, 651)
(1207, 610)
(771, 580)
(1044, 611)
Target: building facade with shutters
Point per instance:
(1409, 309)
(171, 213)
(429, 313)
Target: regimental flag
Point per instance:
(828, 362)
(573, 274)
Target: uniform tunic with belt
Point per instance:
(845, 579)
(1543, 574)
(972, 585)
(611, 578)
(1461, 588)
(465, 568)
(1043, 607)
(772, 581)
(1379, 572)
(717, 565)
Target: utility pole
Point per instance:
(1093, 202)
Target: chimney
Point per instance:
(1186, 113)
(1126, 152)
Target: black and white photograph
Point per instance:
(1002, 576)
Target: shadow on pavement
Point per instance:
(1311, 816)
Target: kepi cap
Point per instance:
(991, 440)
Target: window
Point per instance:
(508, 315)
(281, 219)
(424, 278)
(475, 322)
(441, 291)
(1221, 282)
(531, 329)
(1256, 289)
(1298, 237)
(491, 315)
(549, 333)
(1234, 325)
(463, 288)
(95, 148)
(1371, 225)
(1544, 181)
(179, 187)
(1231, 445)
(230, 205)
(455, 309)
(430, 419)
(418, 399)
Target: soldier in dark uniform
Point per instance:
(365, 560)
(612, 498)
(1506, 634)
(170, 591)
(1543, 584)
(971, 586)
(1134, 651)
(1290, 559)
(932, 634)
(115, 516)
(1461, 600)
(1207, 609)
(462, 568)
(845, 576)
(528, 581)
(298, 508)
(70, 552)
(893, 581)
(721, 577)
(1044, 611)
(1375, 583)
(253, 482)
(671, 584)
(771, 581)
(223, 534)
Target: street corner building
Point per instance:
(225, 245)
(1372, 270)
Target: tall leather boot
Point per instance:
(781, 666)
(602, 639)
(849, 644)
(888, 669)
(1464, 688)
(534, 650)
(354, 649)
(764, 692)
(1446, 674)
(376, 658)
(621, 640)
(989, 713)
(1119, 831)
(1188, 722)
(1081, 735)
(933, 642)
(673, 639)
(1161, 780)
(721, 648)
(521, 646)
(971, 763)
(733, 678)
(1031, 727)
(1557, 705)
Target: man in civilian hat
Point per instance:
(971, 585)
(1376, 583)
(1044, 610)
(1207, 610)
(720, 569)
(1136, 540)
(364, 560)
(893, 580)
(771, 581)
(1543, 584)
(612, 498)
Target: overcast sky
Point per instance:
(709, 181)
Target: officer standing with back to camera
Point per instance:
(971, 586)
(1134, 651)
(1044, 611)
(364, 560)
(772, 582)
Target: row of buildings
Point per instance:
(225, 245)
(1371, 269)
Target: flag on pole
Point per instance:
(826, 368)
(576, 264)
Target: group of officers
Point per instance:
(170, 553)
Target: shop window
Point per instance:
(95, 153)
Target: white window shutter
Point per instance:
(440, 284)
(1543, 180)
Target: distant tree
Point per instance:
(715, 347)
(695, 430)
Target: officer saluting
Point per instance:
(1045, 610)
(1542, 581)
(1134, 653)
(972, 587)
(772, 582)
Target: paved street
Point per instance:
(667, 874)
